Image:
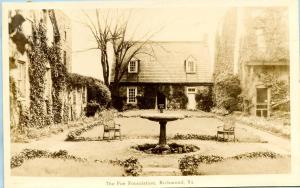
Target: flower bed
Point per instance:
(29, 134)
(75, 134)
(132, 167)
(188, 165)
(178, 136)
(27, 154)
(174, 148)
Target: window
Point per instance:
(131, 94)
(191, 90)
(65, 58)
(65, 35)
(190, 66)
(133, 66)
(21, 79)
(74, 96)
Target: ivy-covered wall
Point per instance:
(146, 96)
(46, 79)
(274, 77)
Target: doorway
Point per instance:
(191, 95)
(161, 100)
(262, 102)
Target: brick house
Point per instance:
(20, 31)
(252, 43)
(170, 77)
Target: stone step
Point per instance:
(161, 171)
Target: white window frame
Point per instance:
(135, 95)
(135, 66)
(191, 92)
(190, 69)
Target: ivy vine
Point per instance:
(37, 71)
(58, 75)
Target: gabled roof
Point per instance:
(167, 65)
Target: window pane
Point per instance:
(132, 66)
(131, 95)
(22, 78)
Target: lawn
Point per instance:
(247, 166)
(66, 168)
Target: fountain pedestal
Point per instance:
(162, 118)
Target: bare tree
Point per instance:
(106, 30)
(101, 33)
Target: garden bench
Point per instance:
(110, 126)
(222, 130)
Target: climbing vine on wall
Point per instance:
(58, 75)
(279, 88)
(37, 71)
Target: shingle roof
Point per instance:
(168, 64)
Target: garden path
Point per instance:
(139, 131)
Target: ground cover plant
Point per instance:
(28, 134)
(26, 154)
(190, 165)
(130, 166)
(74, 135)
(174, 148)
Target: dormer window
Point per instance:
(190, 66)
(133, 66)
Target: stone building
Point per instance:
(252, 43)
(57, 27)
(169, 78)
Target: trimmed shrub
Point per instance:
(227, 90)
(91, 108)
(97, 91)
(178, 99)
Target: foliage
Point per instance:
(75, 134)
(227, 90)
(174, 148)
(178, 99)
(145, 102)
(204, 99)
(92, 108)
(12, 101)
(26, 154)
(189, 164)
(132, 166)
(119, 102)
(279, 88)
(37, 71)
(178, 136)
(97, 91)
(259, 154)
(58, 75)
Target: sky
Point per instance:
(162, 24)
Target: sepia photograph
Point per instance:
(148, 91)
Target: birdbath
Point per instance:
(162, 118)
